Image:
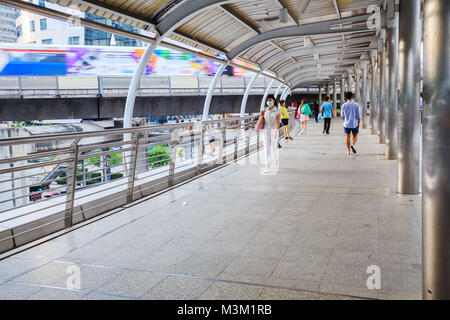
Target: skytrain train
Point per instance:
(44, 60)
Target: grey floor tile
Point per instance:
(178, 288)
(310, 270)
(354, 258)
(251, 265)
(98, 296)
(307, 254)
(87, 254)
(266, 251)
(47, 274)
(17, 291)
(12, 267)
(91, 277)
(286, 294)
(57, 294)
(131, 284)
(204, 264)
(48, 250)
(349, 291)
(231, 291)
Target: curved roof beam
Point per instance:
(311, 62)
(323, 27)
(185, 12)
(313, 72)
(337, 47)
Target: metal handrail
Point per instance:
(71, 85)
(112, 172)
(109, 132)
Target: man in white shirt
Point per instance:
(351, 112)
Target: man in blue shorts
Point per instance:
(351, 112)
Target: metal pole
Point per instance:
(381, 115)
(328, 90)
(373, 93)
(334, 96)
(247, 92)
(71, 183)
(357, 90)
(349, 82)
(263, 102)
(364, 95)
(209, 95)
(392, 86)
(136, 80)
(436, 147)
(410, 36)
(320, 96)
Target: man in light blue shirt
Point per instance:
(351, 112)
(327, 110)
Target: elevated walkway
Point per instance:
(309, 232)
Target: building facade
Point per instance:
(35, 29)
(8, 17)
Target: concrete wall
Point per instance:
(112, 107)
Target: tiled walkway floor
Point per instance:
(309, 232)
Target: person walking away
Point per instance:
(285, 120)
(305, 112)
(316, 112)
(270, 133)
(328, 113)
(351, 112)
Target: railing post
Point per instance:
(221, 146)
(236, 144)
(198, 84)
(173, 158)
(170, 85)
(57, 87)
(221, 84)
(200, 146)
(71, 183)
(132, 169)
(223, 129)
(100, 85)
(247, 137)
(19, 80)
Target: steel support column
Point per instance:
(135, 81)
(392, 86)
(410, 38)
(328, 90)
(364, 95)
(266, 94)
(358, 86)
(320, 96)
(373, 93)
(211, 88)
(436, 151)
(335, 96)
(381, 115)
(247, 92)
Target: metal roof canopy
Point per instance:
(248, 30)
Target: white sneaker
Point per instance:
(349, 153)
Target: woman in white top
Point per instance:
(270, 133)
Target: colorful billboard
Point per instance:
(33, 60)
